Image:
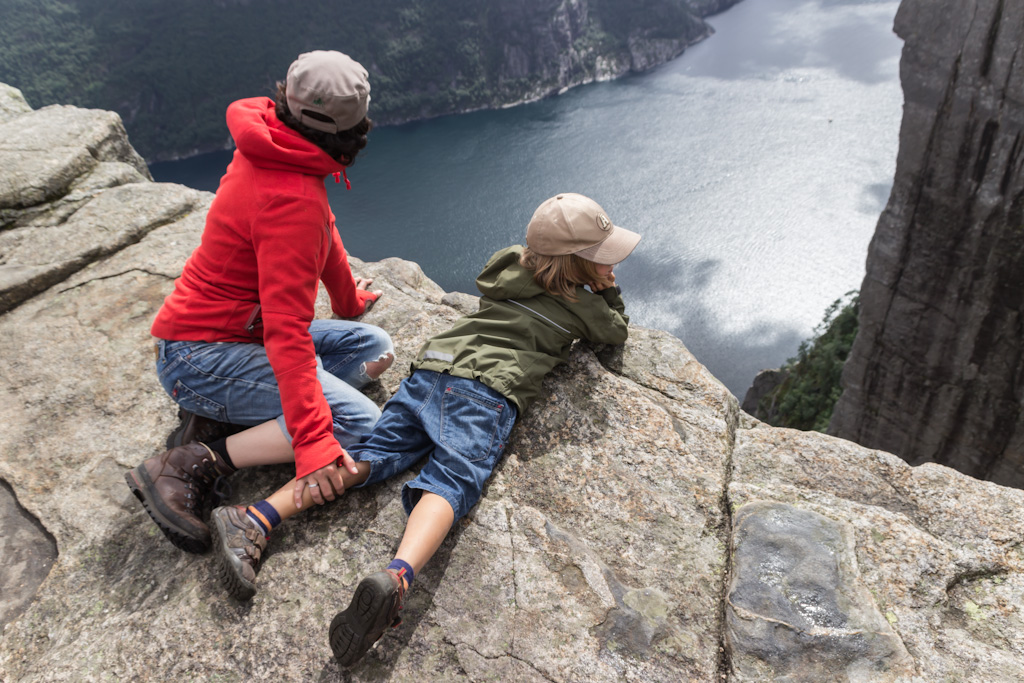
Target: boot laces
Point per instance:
(221, 490)
(203, 480)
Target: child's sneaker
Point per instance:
(374, 607)
(240, 545)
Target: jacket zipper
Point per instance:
(254, 318)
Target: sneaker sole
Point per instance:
(139, 483)
(352, 630)
(229, 567)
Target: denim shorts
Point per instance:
(234, 382)
(462, 424)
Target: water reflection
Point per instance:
(842, 35)
(755, 166)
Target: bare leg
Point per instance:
(263, 444)
(428, 524)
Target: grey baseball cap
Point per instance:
(331, 84)
(570, 223)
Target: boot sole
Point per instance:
(229, 567)
(353, 631)
(140, 483)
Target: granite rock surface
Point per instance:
(641, 527)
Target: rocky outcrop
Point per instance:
(937, 369)
(640, 528)
(550, 46)
(56, 215)
(764, 384)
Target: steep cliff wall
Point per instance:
(639, 528)
(936, 373)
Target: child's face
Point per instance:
(603, 270)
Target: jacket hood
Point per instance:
(503, 278)
(267, 143)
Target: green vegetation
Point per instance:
(809, 392)
(652, 18)
(47, 44)
(170, 68)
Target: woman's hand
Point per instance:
(365, 282)
(323, 485)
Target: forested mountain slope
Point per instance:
(170, 68)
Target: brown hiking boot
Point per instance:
(192, 427)
(374, 607)
(240, 545)
(172, 487)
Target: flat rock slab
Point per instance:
(797, 609)
(939, 553)
(28, 552)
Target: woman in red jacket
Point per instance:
(236, 339)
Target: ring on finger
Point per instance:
(313, 486)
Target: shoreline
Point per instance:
(537, 96)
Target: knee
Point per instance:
(376, 368)
(380, 340)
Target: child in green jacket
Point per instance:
(459, 405)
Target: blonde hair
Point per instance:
(560, 275)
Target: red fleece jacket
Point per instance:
(269, 239)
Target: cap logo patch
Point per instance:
(319, 101)
(603, 222)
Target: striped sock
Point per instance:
(264, 515)
(403, 569)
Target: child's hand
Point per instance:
(323, 485)
(597, 287)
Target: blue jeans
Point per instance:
(462, 424)
(233, 381)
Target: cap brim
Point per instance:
(619, 244)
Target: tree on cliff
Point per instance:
(809, 388)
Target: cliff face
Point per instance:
(170, 69)
(640, 527)
(936, 373)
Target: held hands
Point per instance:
(325, 483)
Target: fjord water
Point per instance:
(755, 166)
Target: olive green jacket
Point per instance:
(521, 332)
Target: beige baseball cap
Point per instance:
(570, 223)
(331, 84)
